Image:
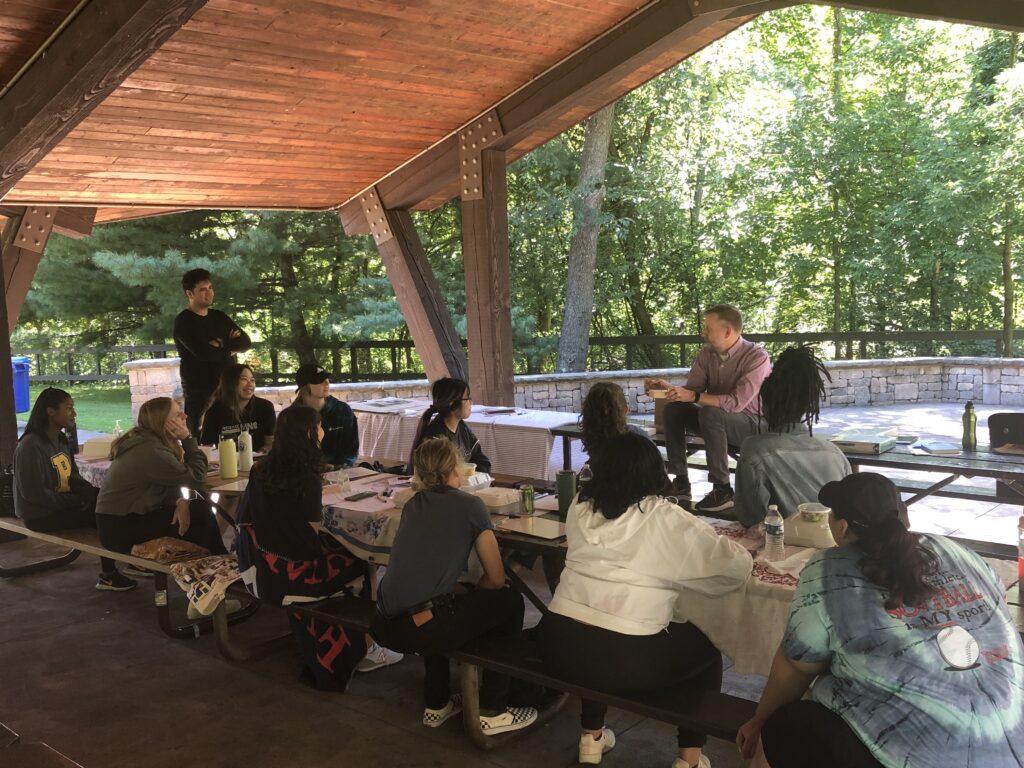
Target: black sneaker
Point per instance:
(681, 494)
(115, 582)
(721, 497)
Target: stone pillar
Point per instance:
(153, 378)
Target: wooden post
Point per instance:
(24, 240)
(8, 416)
(488, 295)
(416, 289)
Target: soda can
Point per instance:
(526, 499)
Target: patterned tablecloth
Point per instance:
(517, 443)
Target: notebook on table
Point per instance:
(937, 447)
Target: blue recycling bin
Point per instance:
(19, 372)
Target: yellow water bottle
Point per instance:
(228, 459)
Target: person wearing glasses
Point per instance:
(451, 404)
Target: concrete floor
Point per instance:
(91, 674)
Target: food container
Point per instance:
(467, 470)
(813, 512)
(500, 501)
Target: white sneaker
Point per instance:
(433, 718)
(592, 750)
(702, 763)
(378, 657)
(512, 719)
(193, 614)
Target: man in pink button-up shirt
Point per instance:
(720, 401)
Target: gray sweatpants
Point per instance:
(719, 429)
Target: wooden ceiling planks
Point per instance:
(301, 104)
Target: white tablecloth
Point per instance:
(517, 443)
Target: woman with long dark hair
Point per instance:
(141, 496)
(917, 660)
(631, 554)
(279, 520)
(451, 403)
(235, 408)
(603, 416)
(49, 492)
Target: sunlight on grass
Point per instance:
(98, 404)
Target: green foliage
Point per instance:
(872, 177)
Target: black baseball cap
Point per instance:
(863, 499)
(310, 373)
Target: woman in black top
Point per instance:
(279, 522)
(235, 407)
(451, 404)
(50, 493)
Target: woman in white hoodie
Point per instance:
(631, 553)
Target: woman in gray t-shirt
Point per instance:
(422, 608)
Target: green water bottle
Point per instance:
(970, 427)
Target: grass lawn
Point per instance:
(98, 404)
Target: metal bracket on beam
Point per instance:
(373, 209)
(474, 137)
(36, 224)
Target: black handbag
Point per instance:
(1004, 428)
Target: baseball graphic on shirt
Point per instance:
(958, 648)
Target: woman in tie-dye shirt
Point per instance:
(918, 662)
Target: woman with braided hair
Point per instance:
(787, 466)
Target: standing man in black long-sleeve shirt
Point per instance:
(207, 340)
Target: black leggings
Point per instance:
(806, 734)
(64, 519)
(496, 613)
(625, 664)
(121, 532)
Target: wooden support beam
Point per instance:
(8, 417)
(660, 27)
(103, 44)
(74, 222)
(488, 292)
(417, 291)
(23, 247)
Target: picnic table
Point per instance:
(518, 441)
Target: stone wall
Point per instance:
(987, 380)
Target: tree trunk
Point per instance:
(301, 340)
(1007, 249)
(579, 285)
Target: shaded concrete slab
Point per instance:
(91, 674)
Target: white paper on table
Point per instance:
(792, 564)
(547, 503)
(334, 496)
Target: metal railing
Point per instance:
(384, 360)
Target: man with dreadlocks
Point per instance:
(785, 466)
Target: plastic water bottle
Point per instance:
(117, 429)
(245, 451)
(774, 536)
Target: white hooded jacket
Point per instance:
(626, 574)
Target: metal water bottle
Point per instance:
(970, 427)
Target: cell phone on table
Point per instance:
(360, 495)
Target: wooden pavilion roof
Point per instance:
(304, 103)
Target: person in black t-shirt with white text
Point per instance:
(206, 340)
(235, 407)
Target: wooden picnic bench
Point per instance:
(717, 714)
(15, 753)
(80, 540)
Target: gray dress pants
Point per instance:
(718, 428)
